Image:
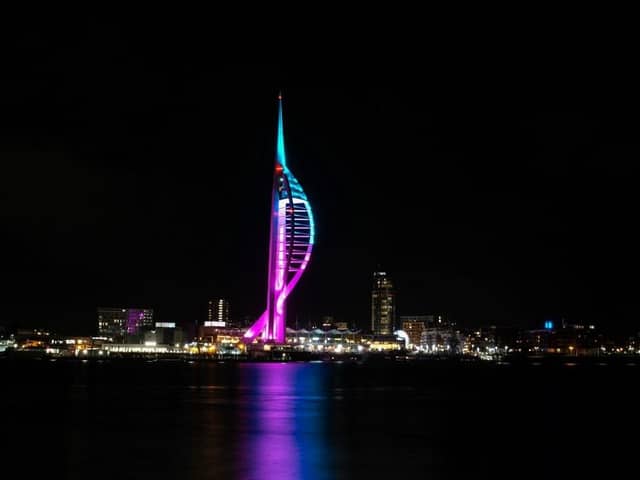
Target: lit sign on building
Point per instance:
(548, 325)
(214, 324)
(165, 324)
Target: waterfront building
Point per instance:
(383, 309)
(137, 348)
(218, 310)
(575, 339)
(165, 333)
(118, 322)
(342, 341)
(441, 340)
(414, 325)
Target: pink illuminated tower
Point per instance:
(290, 244)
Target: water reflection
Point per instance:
(129, 419)
(283, 422)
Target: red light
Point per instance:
(279, 168)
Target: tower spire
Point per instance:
(291, 240)
(281, 158)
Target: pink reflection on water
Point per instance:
(281, 438)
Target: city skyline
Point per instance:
(145, 194)
(435, 277)
(442, 288)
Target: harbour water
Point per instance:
(325, 420)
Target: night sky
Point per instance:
(136, 171)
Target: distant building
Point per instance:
(383, 309)
(220, 335)
(327, 322)
(414, 325)
(120, 322)
(570, 339)
(342, 341)
(32, 338)
(438, 340)
(164, 334)
(437, 321)
(218, 310)
(137, 348)
(112, 321)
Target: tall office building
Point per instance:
(118, 322)
(383, 309)
(218, 310)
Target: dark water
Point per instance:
(285, 421)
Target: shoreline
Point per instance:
(370, 358)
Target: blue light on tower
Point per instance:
(291, 240)
(548, 325)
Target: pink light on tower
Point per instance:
(290, 244)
